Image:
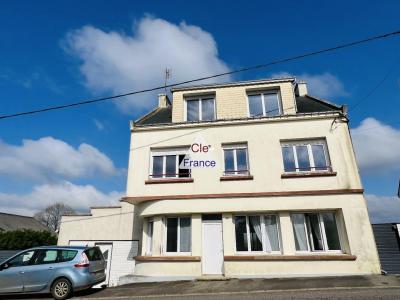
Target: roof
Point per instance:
(309, 104)
(305, 104)
(9, 222)
(160, 115)
(236, 83)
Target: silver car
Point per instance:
(58, 270)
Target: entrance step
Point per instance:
(212, 278)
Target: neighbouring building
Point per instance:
(243, 179)
(387, 237)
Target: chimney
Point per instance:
(163, 101)
(301, 88)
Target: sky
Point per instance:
(54, 53)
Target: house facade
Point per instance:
(243, 179)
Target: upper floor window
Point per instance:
(200, 109)
(305, 156)
(316, 232)
(264, 104)
(166, 164)
(236, 160)
(178, 239)
(257, 233)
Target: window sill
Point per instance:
(310, 174)
(236, 177)
(168, 258)
(319, 257)
(168, 180)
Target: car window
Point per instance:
(94, 254)
(66, 255)
(45, 256)
(22, 259)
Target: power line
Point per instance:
(265, 65)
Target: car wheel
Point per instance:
(61, 289)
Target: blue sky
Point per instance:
(57, 52)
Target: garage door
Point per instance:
(388, 244)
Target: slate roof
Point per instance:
(9, 222)
(309, 104)
(305, 104)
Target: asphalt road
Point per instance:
(330, 294)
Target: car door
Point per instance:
(39, 273)
(12, 272)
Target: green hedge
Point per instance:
(26, 238)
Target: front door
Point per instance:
(106, 249)
(212, 256)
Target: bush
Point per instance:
(26, 238)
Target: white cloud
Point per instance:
(383, 209)
(79, 197)
(116, 62)
(377, 147)
(99, 125)
(48, 159)
(323, 85)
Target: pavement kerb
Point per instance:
(236, 293)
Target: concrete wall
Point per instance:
(103, 224)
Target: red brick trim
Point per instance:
(169, 180)
(168, 258)
(236, 177)
(304, 175)
(138, 199)
(318, 257)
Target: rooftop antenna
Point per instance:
(167, 76)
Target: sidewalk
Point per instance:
(237, 286)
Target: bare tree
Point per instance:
(51, 215)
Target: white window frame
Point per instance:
(149, 237)
(178, 236)
(199, 99)
(263, 231)
(235, 147)
(164, 154)
(323, 233)
(262, 93)
(308, 144)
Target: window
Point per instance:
(150, 228)
(21, 260)
(307, 156)
(48, 256)
(257, 233)
(264, 104)
(316, 232)
(200, 109)
(178, 235)
(94, 254)
(166, 164)
(236, 160)
(66, 255)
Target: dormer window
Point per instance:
(200, 108)
(265, 104)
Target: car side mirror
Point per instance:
(4, 266)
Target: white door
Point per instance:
(106, 249)
(212, 256)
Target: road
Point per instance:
(329, 294)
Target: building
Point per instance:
(278, 192)
(111, 229)
(387, 237)
(10, 222)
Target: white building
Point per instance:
(280, 194)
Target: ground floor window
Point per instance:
(178, 237)
(150, 229)
(316, 231)
(257, 233)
